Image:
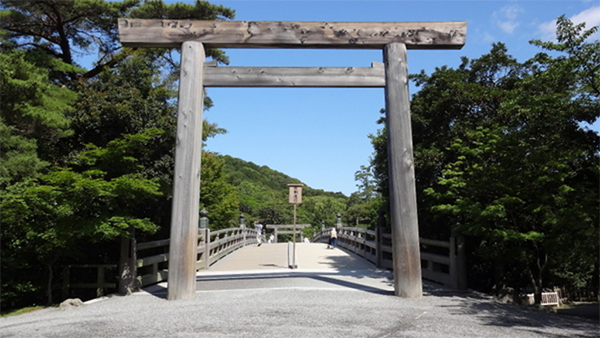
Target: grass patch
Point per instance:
(22, 311)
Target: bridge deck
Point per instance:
(274, 256)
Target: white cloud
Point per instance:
(590, 16)
(506, 18)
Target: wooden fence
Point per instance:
(441, 261)
(212, 246)
(153, 258)
(99, 283)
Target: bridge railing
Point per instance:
(212, 246)
(441, 261)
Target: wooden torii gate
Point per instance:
(394, 38)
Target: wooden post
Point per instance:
(100, 282)
(186, 183)
(379, 237)
(403, 200)
(207, 248)
(128, 282)
(243, 227)
(65, 279)
(458, 262)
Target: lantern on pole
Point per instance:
(295, 198)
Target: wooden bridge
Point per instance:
(236, 249)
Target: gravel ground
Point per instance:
(299, 304)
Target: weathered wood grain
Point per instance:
(281, 34)
(186, 183)
(363, 77)
(403, 197)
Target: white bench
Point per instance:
(548, 298)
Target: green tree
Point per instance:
(217, 196)
(101, 197)
(69, 29)
(33, 115)
(319, 209)
(363, 204)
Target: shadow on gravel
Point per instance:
(326, 277)
(591, 311)
(157, 291)
(493, 313)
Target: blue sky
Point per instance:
(320, 135)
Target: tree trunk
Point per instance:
(537, 281)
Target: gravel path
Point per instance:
(298, 303)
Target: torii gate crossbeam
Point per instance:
(392, 37)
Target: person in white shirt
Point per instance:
(333, 238)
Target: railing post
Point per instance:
(458, 262)
(65, 280)
(100, 282)
(338, 221)
(243, 227)
(204, 226)
(379, 237)
(128, 282)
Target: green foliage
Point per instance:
(48, 219)
(217, 196)
(67, 29)
(18, 156)
(22, 311)
(33, 115)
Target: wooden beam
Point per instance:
(286, 226)
(186, 181)
(281, 34)
(403, 198)
(294, 77)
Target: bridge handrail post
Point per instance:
(243, 228)
(458, 262)
(379, 237)
(204, 222)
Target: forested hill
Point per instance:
(242, 173)
(263, 192)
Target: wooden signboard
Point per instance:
(295, 193)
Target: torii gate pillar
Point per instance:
(403, 197)
(186, 181)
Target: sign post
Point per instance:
(295, 198)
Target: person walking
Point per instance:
(333, 238)
(259, 228)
